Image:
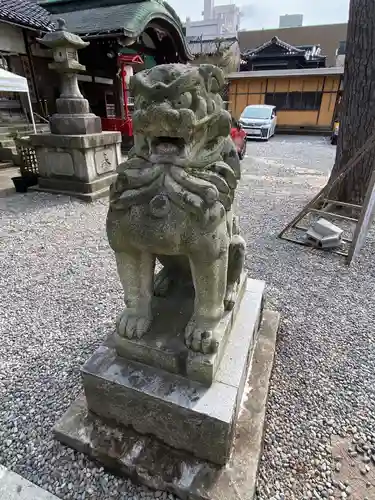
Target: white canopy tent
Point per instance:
(9, 82)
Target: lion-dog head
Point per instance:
(180, 132)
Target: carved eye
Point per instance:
(184, 101)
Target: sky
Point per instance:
(265, 13)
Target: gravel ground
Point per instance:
(61, 295)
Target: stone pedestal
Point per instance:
(172, 427)
(163, 345)
(83, 166)
(73, 117)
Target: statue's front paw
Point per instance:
(200, 339)
(131, 324)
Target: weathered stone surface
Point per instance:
(72, 106)
(82, 166)
(180, 412)
(163, 344)
(77, 141)
(77, 159)
(86, 191)
(200, 366)
(147, 460)
(173, 199)
(15, 487)
(75, 124)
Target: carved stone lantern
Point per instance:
(77, 158)
(73, 115)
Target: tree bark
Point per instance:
(357, 113)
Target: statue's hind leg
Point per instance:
(136, 271)
(236, 260)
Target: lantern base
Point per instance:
(83, 166)
(79, 124)
(73, 106)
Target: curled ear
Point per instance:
(139, 83)
(213, 77)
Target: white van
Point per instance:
(259, 121)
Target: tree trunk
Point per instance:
(357, 110)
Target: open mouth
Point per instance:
(167, 146)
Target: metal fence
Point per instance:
(28, 160)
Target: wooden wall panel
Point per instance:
(282, 85)
(243, 86)
(295, 84)
(332, 83)
(329, 99)
(244, 91)
(312, 84)
(327, 109)
(242, 102)
(297, 118)
(271, 85)
(257, 85)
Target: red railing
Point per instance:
(125, 126)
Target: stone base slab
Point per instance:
(87, 197)
(181, 412)
(86, 191)
(163, 346)
(145, 459)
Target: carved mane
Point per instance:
(182, 103)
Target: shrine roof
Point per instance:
(91, 18)
(25, 13)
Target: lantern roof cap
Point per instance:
(63, 38)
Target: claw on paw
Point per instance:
(230, 296)
(132, 325)
(199, 339)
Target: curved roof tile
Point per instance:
(129, 16)
(25, 13)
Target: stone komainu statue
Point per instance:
(172, 201)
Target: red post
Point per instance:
(126, 126)
(124, 90)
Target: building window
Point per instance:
(288, 101)
(342, 49)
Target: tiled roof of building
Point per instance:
(327, 36)
(25, 13)
(310, 52)
(128, 16)
(275, 40)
